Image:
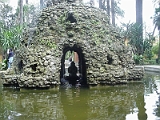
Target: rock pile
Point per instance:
(107, 59)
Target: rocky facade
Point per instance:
(74, 26)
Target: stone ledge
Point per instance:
(150, 68)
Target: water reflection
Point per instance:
(152, 90)
(117, 102)
(134, 101)
(75, 104)
(32, 105)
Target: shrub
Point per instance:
(4, 65)
(138, 59)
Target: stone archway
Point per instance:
(80, 63)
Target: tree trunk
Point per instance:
(21, 12)
(41, 4)
(139, 22)
(158, 25)
(100, 4)
(154, 29)
(139, 19)
(159, 49)
(113, 12)
(27, 17)
(108, 10)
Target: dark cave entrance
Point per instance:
(73, 55)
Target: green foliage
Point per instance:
(118, 10)
(4, 65)
(6, 16)
(138, 59)
(156, 17)
(149, 62)
(155, 49)
(30, 13)
(10, 32)
(148, 54)
(135, 40)
(147, 46)
(10, 38)
(132, 32)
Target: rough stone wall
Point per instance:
(108, 60)
(39, 67)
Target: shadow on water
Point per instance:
(134, 101)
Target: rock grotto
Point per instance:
(103, 59)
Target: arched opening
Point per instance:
(20, 66)
(73, 55)
(33, 67)
(110, 60)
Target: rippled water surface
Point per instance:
(134, 101)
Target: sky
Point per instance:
(129, 7)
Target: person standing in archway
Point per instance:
(72, 70)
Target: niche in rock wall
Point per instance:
(71, 18)
(33, 67)
(20, 65)
(110, 60)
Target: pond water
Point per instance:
(134, 101)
